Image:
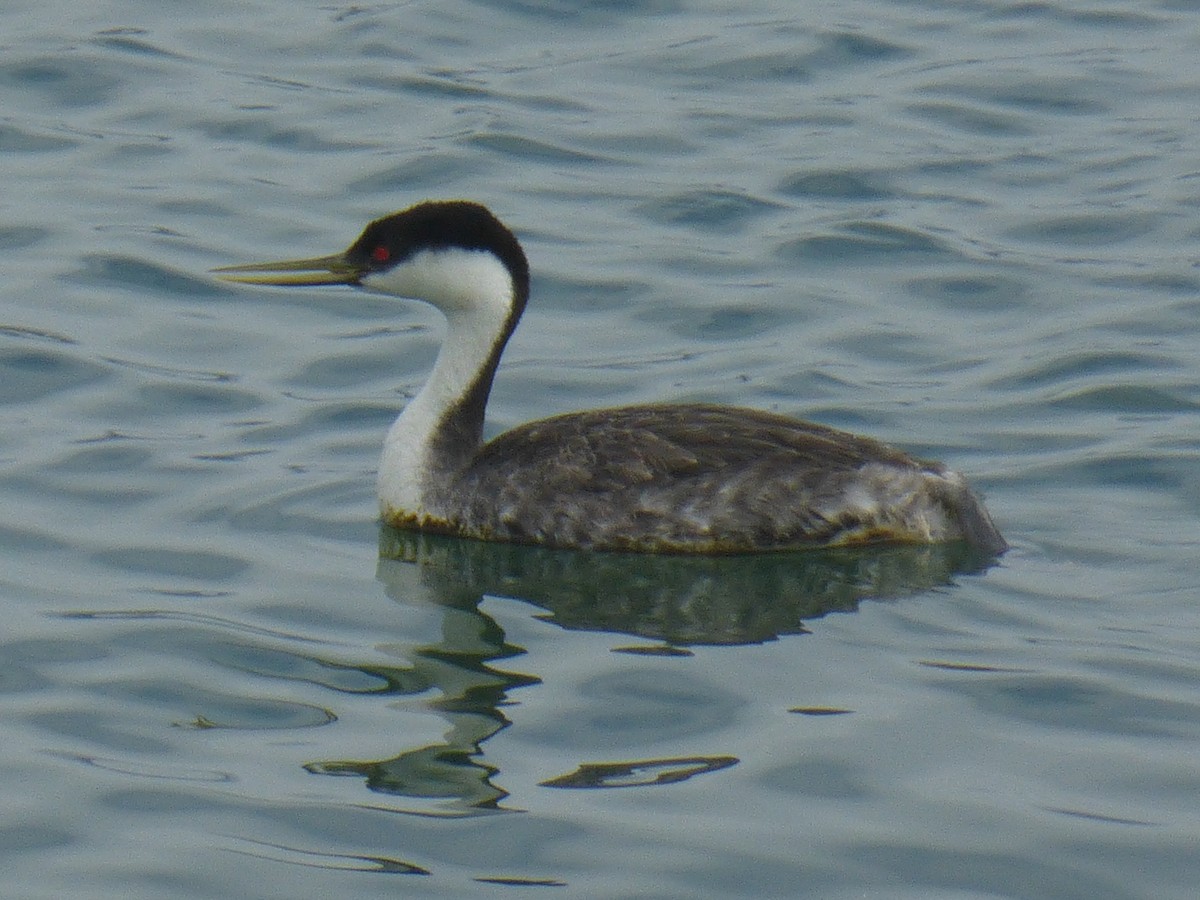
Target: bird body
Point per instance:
(693, 478)
(690, 478)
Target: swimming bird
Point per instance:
(687, 478)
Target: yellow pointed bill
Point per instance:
(294, 272)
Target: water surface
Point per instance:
(968, 229)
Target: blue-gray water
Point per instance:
(967, 228)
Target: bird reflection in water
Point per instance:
(665, 603)
(677, 600)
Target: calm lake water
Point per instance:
(968, 228)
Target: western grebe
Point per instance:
(673, 478)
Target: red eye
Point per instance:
(381, 254)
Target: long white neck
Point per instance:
(439, 431)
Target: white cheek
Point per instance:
(453, 280)
(407, 279)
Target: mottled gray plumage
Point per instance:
(701, 478)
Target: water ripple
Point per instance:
(29, 374)
(864, 242)
(715, 210)
(839, 184)
(966, 229)
(22, 139)
(149, 560)
(143, 275)
(63, 80)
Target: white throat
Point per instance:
(474, 290)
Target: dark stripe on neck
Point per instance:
(459, 434)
